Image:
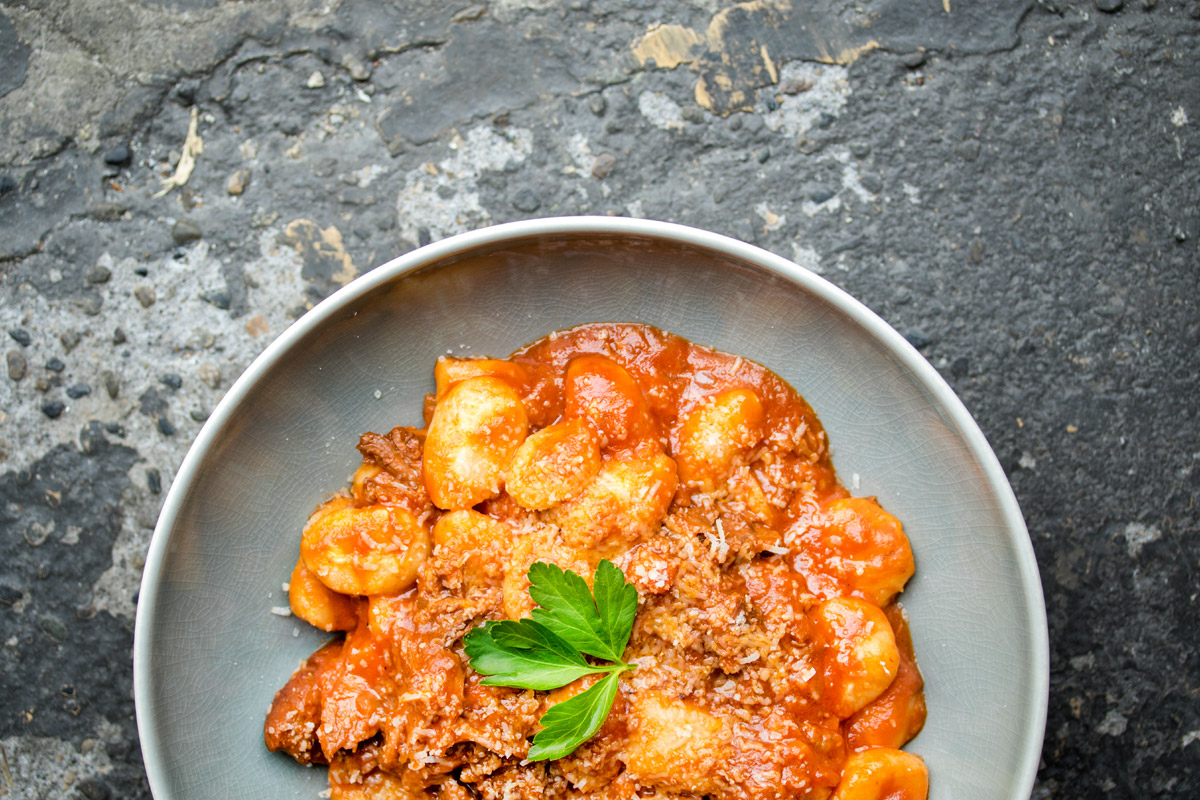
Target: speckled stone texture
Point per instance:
(1017, 192)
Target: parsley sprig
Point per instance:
(548, 649)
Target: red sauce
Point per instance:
(766, 633)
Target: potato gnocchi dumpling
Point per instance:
(477, 427)
(723, 426)
(601, 391)
(858, 652)
(554, 464)
(450, 371)
(317, 604)
(673, 742)
(897, 715)
(364, 550)
(627, 501)
(883, 773)
(465, 548)
(770, 658)
(856, 548)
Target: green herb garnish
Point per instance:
(546, 651)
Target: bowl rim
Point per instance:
(513, 233)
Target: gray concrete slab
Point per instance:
(1016, 189)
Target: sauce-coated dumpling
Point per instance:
(770, 657)
(476, 429)
(554, 464)
(723, 426)
(364, 550)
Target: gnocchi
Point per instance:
(883, 773)
(317, 604)
(767, 657)
(897, 715)
(364, 551)
(450, 371)
(675, 744)
(554, 464)
(713, 434)
(465, 548)
(476, 428)
(600, 390)
(860, 655)
(852, 546)
(627, 499)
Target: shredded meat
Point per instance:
(398, 479)
(296, 712)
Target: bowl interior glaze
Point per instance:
(209, 654)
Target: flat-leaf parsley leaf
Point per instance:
(547, 650)
(572, 722)
(599, 625)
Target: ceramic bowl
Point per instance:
(209, 653)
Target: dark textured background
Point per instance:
(1014, 186)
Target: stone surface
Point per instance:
(237, 182)
(604, 164)
(1011, 185)
(117, 156)
(14, 57)
(186, 232)
(17, 366)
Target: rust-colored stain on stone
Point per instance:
(668, 45)
(256, 326)
(849, 55)
(743, 45)
(322, 251)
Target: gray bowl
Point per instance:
(209, 654)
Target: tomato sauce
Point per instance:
(772, 660)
